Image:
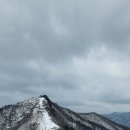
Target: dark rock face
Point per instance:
(40, 113)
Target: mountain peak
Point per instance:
(47, 99)
(30, 114)
(40, 113)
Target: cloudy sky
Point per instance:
(75, 51)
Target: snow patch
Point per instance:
(45, 122)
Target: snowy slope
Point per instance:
(45, 122)
(40, 113)
(27, 115)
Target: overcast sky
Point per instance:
(75, 51)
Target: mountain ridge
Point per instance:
(40, 113)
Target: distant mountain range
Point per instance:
(40, 113)
(120, 117)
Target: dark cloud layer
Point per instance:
(76, 52)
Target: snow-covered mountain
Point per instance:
(40, 113)
(120, 117)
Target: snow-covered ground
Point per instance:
(45, 122)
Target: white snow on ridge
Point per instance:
(40, 117)
(45, 122)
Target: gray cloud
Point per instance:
(76, 52)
